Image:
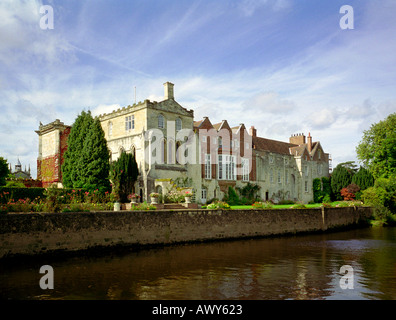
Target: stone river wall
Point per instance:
(33, 233)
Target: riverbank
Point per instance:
(34, 234)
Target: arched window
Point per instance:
(161, 121)
(178, 124)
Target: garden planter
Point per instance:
(117, 206)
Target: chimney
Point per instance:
(253, 131)
(168, 90)
(297, 139)
(309, 142)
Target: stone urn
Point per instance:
(154, 200)
(117, 206)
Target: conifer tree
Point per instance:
(124, 173)
(340, 178)
(94, 163)
(75, 142)
(363, 178)
(86, 160)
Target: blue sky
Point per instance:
(282, 66)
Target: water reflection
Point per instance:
(302, 267)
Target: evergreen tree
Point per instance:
(363, 178)
(72, 165)
(124, 173)
(86, 160)
(4, 171)
(93, 165)
(340, 178)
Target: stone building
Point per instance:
(52, 145)
(170, 145)
(19, 173)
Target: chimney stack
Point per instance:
(297, 139)
(253, 131)
(309, 142)
(169, 90)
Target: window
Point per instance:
(204, 193)
(204, 139)
(286, 161)
(245, 169)
(319, 168)
(208, 167)
(271, 159)
(306, 186)
(110, 132)
(220, 167)
(220, 142)
(178, 124)
(306, 170)
(287, 176)
(226, 167)
(319, 154)
(161, 121)
(271, 176)
(129, 123)
(279, 177)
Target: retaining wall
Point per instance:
(31, 233)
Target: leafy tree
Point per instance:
(340, 178)
(377, 150)
(363, 178)
(124, 173)
(4, 171)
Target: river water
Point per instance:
(297, 267)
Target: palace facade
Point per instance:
(170, 145)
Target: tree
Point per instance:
(94, 164)
(86, 160)
(4, 171)
(377, 150)
(363, 178)
(340, 178)
(124, 173)
(72, 165)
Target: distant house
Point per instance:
(169, 145)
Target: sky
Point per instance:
(283, 66)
